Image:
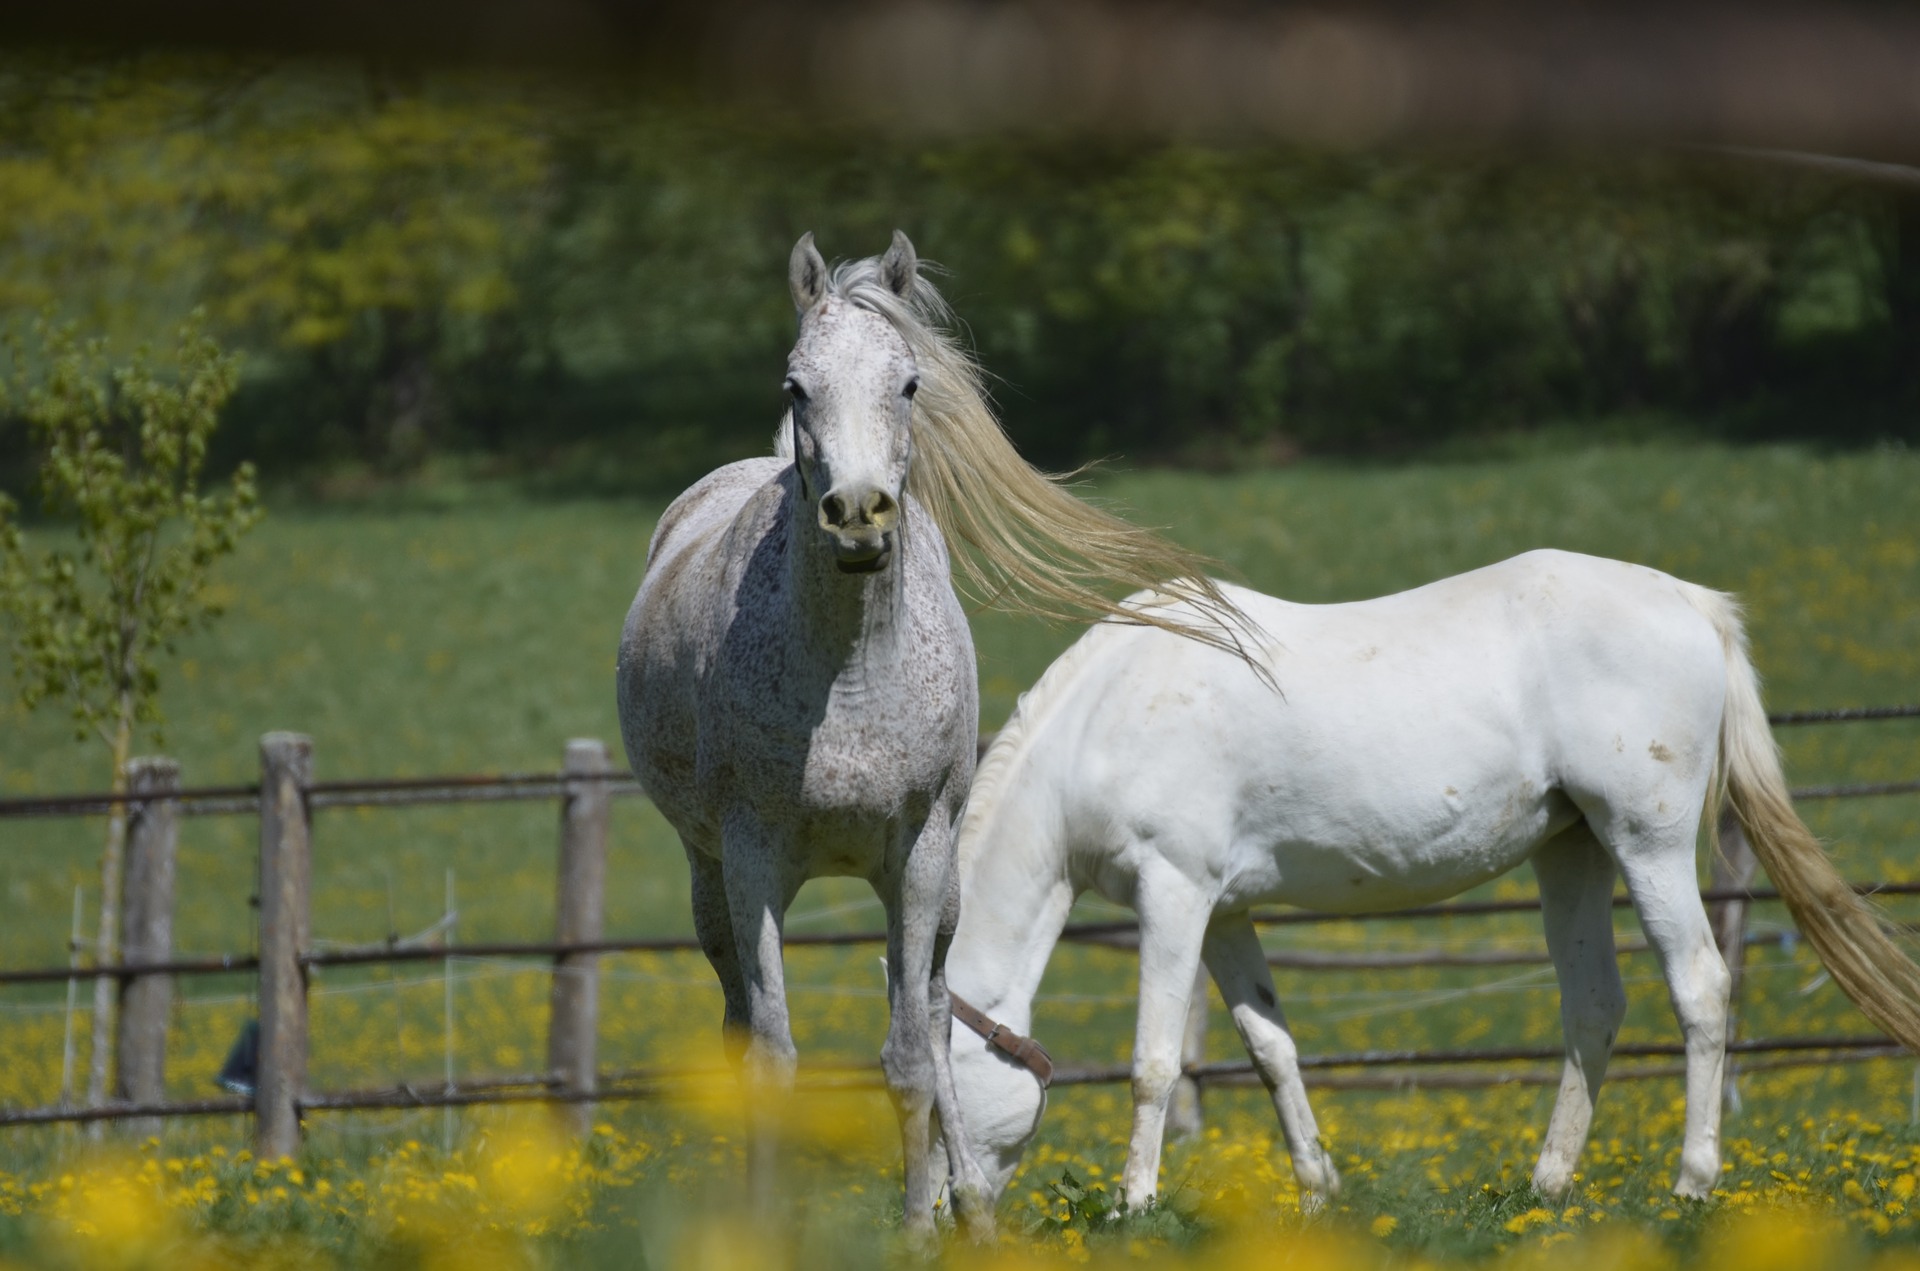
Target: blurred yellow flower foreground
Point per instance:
(663, 1193)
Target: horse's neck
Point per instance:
(1015, 895)
(859, 617)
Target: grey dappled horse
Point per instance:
(796, 682)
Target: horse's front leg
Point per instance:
(1173, 924)
(760, 884)
(973, 1198)
(916, 893)
(713, 925)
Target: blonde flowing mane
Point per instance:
(1020, 540)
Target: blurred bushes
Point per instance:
(592, 288)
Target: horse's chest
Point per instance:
(838, 750)
(855, 761)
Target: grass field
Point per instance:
(474, 629)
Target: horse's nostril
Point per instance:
(859, 509)
(880, 508)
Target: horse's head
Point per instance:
(1000, 1107)
(851, 379)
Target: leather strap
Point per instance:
(1025, 1051)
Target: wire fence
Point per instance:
(229, 800)
(1123, 934)
(576, 958)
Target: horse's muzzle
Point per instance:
(861, 522)
(862, 554)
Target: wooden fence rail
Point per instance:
(462, 787)
(287, 797)
(1115, 934)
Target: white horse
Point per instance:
(796, 679)
(1574, 712)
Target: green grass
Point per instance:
(433, 635)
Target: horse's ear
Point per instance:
(898, 266)
(806, 274)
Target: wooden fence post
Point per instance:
(1733, 866)
(146, 935)
(286, 769)
(574, 1017)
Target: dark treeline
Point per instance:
(594, 289)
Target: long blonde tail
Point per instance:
(1846, 930)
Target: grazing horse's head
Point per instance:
(1000, 1107)
(850, 380)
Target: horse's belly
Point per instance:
(1395, 869)
(846, 846)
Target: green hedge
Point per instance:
(585, 283)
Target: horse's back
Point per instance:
(1549, 636)
(1418, 743)
(1541, 644)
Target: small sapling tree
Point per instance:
(90, 615)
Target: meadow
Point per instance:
(471, 626)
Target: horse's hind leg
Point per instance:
(1658, 864)
(1173, 921)
(1239, 967)
(1576, 902)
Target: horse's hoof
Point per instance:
(923, 1237)
(1319, 1183)
(1554, 1185)
(973, 1207)
(1697, 1177)
(1686, 1188)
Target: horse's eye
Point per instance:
(913, 386)
(794, 390)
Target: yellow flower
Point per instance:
(1521, 1223)
(110, 1217)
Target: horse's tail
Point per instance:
(1844, 928)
